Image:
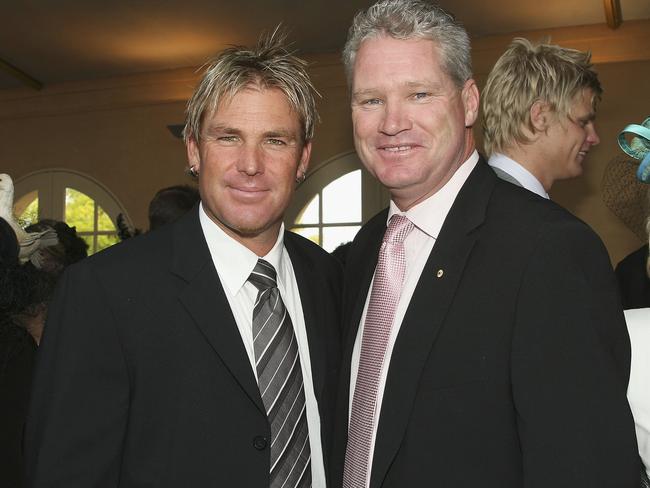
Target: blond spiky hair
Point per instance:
(269, 65)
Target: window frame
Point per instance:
(50, 185)
(374, 197)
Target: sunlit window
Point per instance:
(77, 200)
(333, 216)
(26, 208)
(91, 221)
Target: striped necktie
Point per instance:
(384, 297)
(279, 378)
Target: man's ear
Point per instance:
(303, 165)
(470, 98)
(540, 115)
(193, 153)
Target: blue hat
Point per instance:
(638, 147)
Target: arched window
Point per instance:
(333, 216)
(334, 201)
(77, 199)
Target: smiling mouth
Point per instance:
(247, 191)
(397, 149)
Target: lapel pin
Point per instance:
(440, 273)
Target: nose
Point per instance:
(592, 135)
(395, 119)
(250, 160)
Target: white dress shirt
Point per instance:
(428, 217)
(518, 172)
(234, 264)
(638, 390)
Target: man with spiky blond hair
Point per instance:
(539, 107)
(205, 353)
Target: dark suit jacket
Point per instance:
(17, 355)
(633, 281)
(510, 368)
(142, 377)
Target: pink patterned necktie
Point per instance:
(386, 290)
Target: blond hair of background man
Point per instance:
(539, 107)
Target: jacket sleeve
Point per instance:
(570, 366)
(80, 395)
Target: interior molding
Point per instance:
(613, 13)
(153, 88)
(630, 42)
(20, 75)
(145, 89)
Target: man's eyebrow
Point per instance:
(365, 93)
(588, 117)
(217, 129)
(213, 129)
(431, 85)
(282, 132)
(419, 84)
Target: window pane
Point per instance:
(309, 214)
(26, 208)
(334, 236)
(104, 241)
(104, 222)
(342, 199)
(310, 233)
(79, 210)
(90, 241)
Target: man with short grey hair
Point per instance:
(205, 353)
(484, 343)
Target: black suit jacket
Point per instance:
(142, 377)
(17, 355)
(510, 367)
(633, 280)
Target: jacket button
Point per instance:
(259, 443)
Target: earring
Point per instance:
(301, 178)
(192, 171)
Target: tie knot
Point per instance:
(398, 228)
(263, 275)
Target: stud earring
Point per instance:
(192, 171)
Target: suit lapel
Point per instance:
(426, 313)
(310, 290)
(205, 301)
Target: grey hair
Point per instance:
(412, 19)
(268, 65)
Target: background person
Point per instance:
(171, 203)
(539, 108)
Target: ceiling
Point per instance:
(72, 40)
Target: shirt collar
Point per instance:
(430, 214)
(234, 261)
(518, 172)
